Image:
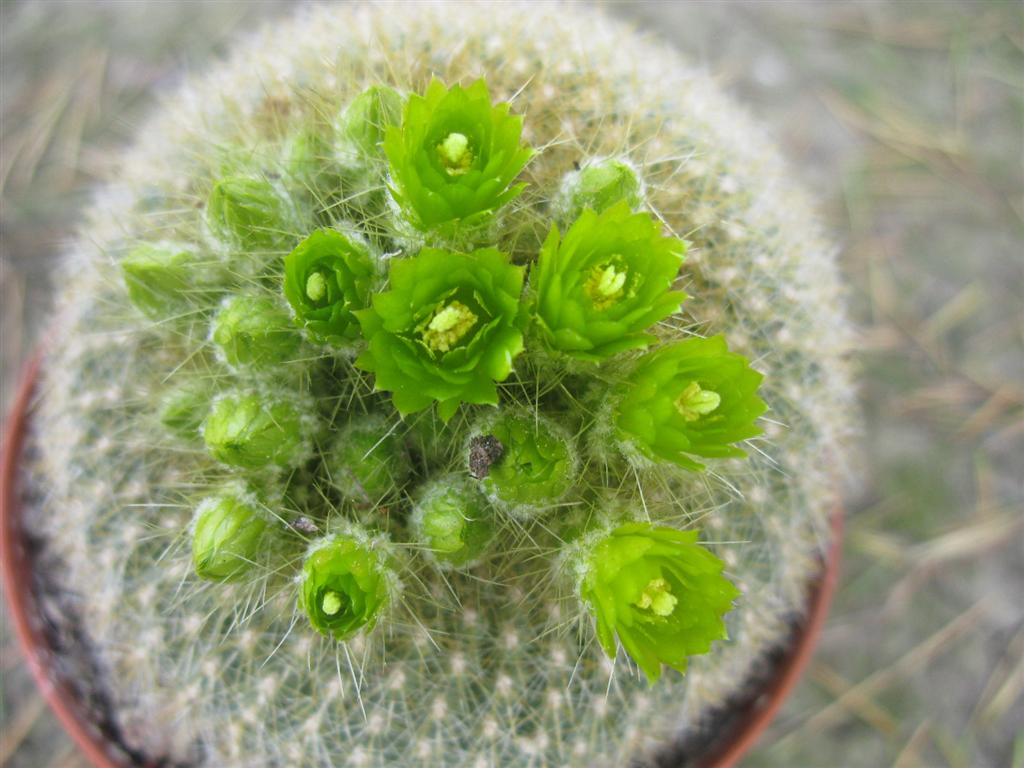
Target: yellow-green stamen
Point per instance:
(694, 402)
(657, 598)
(316, 286)
(455, 154)
(605, 285)
(448, 326)
(331, 602)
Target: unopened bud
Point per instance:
(229, 536)
(362, 124)
(183, 409)
(367, 463)
(256, 331)
(249, 214)
(537, 466)
(159, 279)
(453, 521)
(252, 431)
(598, 185)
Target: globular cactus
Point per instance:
(371, 430)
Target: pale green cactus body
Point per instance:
(497, 663)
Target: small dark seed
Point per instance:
(304, 525)
(484, 450)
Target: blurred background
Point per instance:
(906, 121)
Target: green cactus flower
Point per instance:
(249, 214)
(164, 280)
(344, 587)
(229, 535)
(452, 521)
(446, 331)
(252, 431)
(326, 277)
(598, 290)
(367, 462)
(534, 464)
(361, 127)
(453, 157)
(598, 185)
(693, 397)
(255, 331)
(659, 591)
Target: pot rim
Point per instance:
(15, 562)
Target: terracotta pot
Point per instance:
(747, 723)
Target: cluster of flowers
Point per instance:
(443, 321)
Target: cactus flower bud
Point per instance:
(598, 185)
(453, 158)
(452, 521)
(448, 328)
(253, 431)
(162, 279)
(658, 590)
(537, 464)
(693, 397)
(361, 126)
(183, 408)
(326, 278)
(345, 586)
(307, 163)
(228, 537)
(249, 214)
(367, 462)
(600, 288)
(255, 331)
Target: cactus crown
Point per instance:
(444, 323)
(375, 422)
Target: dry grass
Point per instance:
(907, 120)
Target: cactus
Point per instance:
(272, 425)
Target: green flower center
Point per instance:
(316, 286)
(448, 326)
(605, 285)
(657, 598)
(455, 154)
(694, 402)
(331, 602)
